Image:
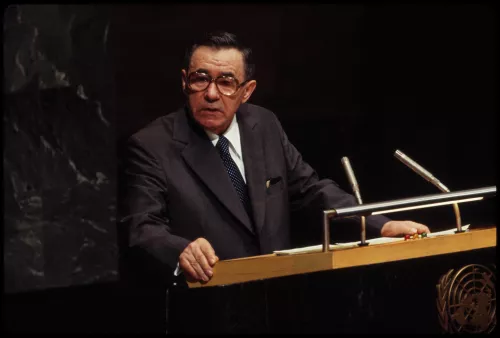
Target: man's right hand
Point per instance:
(197, 260)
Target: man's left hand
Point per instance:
(401, 228)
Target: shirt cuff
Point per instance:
(178, 270)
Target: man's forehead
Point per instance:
(223, 59)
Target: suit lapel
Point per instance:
(253, 157)
(202, 157)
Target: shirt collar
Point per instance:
(232, 134)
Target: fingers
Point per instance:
(410, 230)
(401, 228)
(209, 252)
(187, 268)
(197, 260)
(418, 228)
(201, 264)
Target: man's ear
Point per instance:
(249, 88)
(183, 78)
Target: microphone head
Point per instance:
(399, 154)
(351, 178)
(350, 173)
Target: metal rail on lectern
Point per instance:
(427, 201)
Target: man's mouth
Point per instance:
(208, 109)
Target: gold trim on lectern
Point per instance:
(271, 266)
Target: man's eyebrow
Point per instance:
(227, 74)
(201, 70)
(205, 71)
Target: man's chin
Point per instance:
(214, 125)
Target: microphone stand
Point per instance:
(357, 194)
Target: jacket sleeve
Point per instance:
(306, 190)
(144, 215)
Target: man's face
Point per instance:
(211, 109)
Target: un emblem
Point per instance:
(467, 300)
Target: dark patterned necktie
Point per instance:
(234, 173)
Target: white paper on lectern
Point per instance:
(374, 241)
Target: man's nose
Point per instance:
(212, 93)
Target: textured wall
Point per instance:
(59, 157)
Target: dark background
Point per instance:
(345, 80)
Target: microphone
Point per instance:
(430, 178)
(355, 188)
(352, 179)
(421, 171)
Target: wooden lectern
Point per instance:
(399, 287)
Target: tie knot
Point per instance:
(223, 144)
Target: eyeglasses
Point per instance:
(226, 85)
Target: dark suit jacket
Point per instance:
(178, 190)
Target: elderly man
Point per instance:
(218, 178)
